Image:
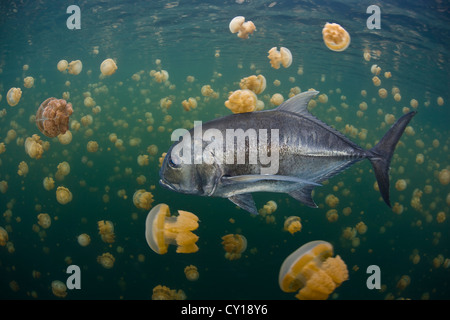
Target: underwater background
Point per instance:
(409, 243)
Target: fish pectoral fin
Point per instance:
(267, 177)
(244, 201)
(304, 196)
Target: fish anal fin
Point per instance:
(304, 196)
(244, 201)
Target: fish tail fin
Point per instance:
(380, 155)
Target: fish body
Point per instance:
(285, 150)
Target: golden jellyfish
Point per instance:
(84, 240)
(3, 237)
(312, 270)
(3, 186)
(283, 57)
(234, 245)
(277, 99)
(382, 93)
(269, 208)
(75, 67)
(13, 96)
(106, 260)
(33, 146)
(331, 200)
(59, 289)
(108, 67)
(106, 231)
(44, 220)
(48, 183)
(162, 229)
(89, 102)
(65, 138)
(335, 37)
(404, 281)
(440, 101)
(414, 103)
(401, 184)
(23, 169)
(143, 160)
(52, 117)
(444, 177)
(28, 82)
(241, 101)
(241, 27)
(361, 227)
(292, 224)
(376, 81)
(143, 199)
(62, 65)
(189, 104)
(92, 146)
(257, 84)
(323, 98)
(191, 273)
(161, 76)
(164, 293)
(63, 195)
(441, 217)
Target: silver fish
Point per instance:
(308, 152)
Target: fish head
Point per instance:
(188, 177)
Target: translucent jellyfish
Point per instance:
(3, 186)
(191, 273)
(164, 293)
(28, 82)
(106, 231)
(106, 260)
(48, 183)
(335, 37)
(382, 92)
(257, 84)
(63, 195)
(59, 289)
(277, 99)
(376, 81)
(292, 224)
(161, 230)
(269, 208)
(243, 28)
(283, 57)
(75, 67)
(241, 101)
(65, 138)
(84, 240)
(331, 200)
(361, 227)
(52, 117)
(161, 76)
(143, 199)
(108, 67)
(401, 184)
(444, 177)
(33, 146)
(440, 101)
(13, 96)
(312, 270)
(234, 245)
(3, 237)
(44, 220)
(63, 169)
(62, 65)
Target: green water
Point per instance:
(191, 38)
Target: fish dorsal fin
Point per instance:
(299, 103)
(244, 201)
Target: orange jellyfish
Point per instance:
(108, 67)
(241, 101)
(161, 230)
(3, 237)
(13, 96)
(164, 293)
(335, 37)
(257, 84)
(52, 117)
(241, 27)
(292, 224)
(312, 270)
(106, 231)
(191, 273)
(59, 289)
(234, 245)
(33, 146)
(284, 57)
(143, 199)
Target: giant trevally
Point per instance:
(303, 152)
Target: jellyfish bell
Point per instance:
(312, 270)
(75, 67)
(161, 230)
(62, 65)
(108, 67)
(335, 37)
(13, 96)
(52, 117)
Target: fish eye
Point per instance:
(172, 163)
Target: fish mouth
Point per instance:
(168, 185)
